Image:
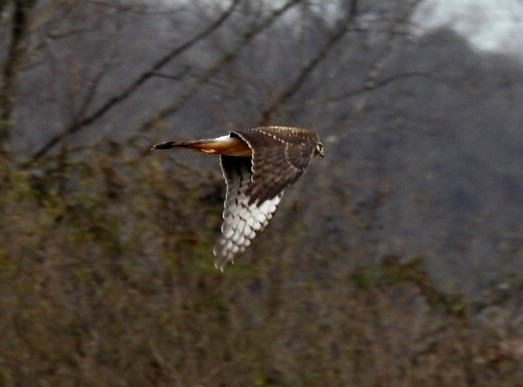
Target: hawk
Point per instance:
(257, 164)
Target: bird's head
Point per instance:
(318, 150)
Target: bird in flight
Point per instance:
(257, 164)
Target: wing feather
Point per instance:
(241, 219)
(280, 155)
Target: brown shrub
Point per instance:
(106, 278)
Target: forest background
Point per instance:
(395, 260)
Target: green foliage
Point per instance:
(106, 278)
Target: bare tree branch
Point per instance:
(133, 86)
(373, 74)
(313, 63)
(447, 83)
(230, 55)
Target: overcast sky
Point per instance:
(493, 25)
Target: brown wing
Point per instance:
(279, 157)
(241, 218)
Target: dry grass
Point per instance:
(106, 279)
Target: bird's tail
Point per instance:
(225, 145)
(175, 144)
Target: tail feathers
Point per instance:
(173, 144)
(226, 145)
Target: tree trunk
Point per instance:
(14, 62)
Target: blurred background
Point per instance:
(395, 260)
